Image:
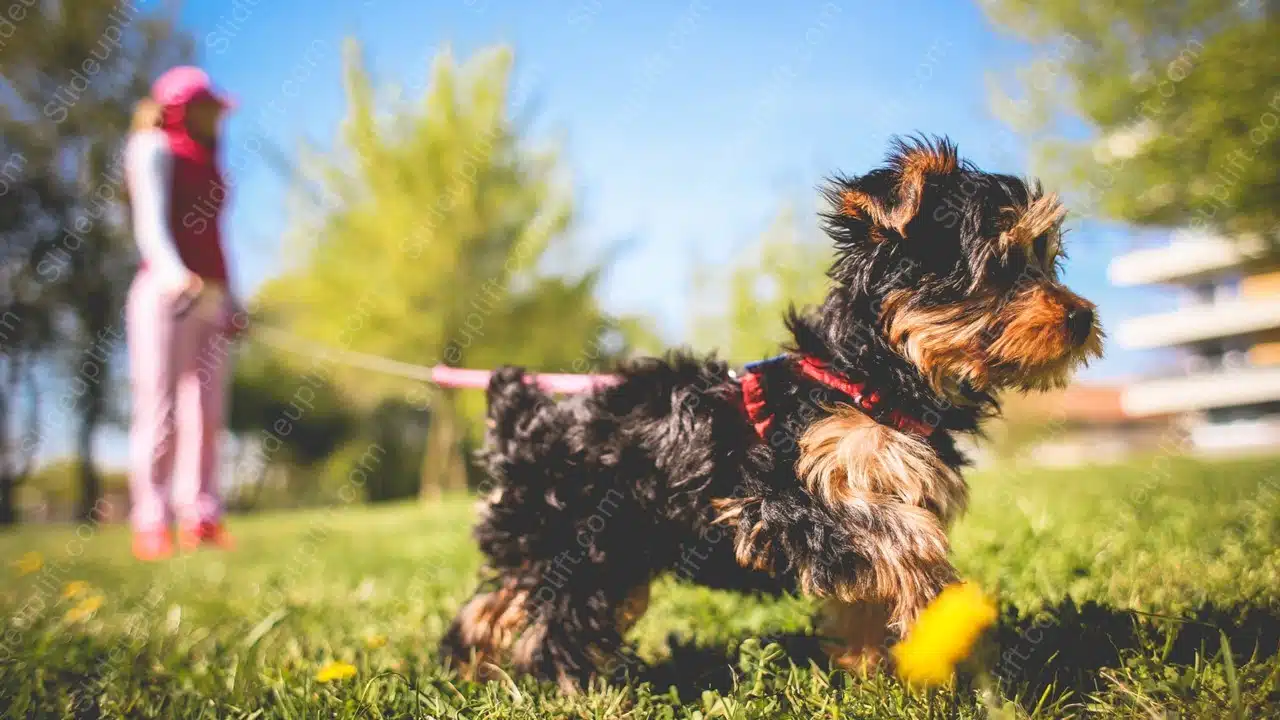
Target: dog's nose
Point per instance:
(1080, 324)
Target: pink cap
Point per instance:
(182, 84)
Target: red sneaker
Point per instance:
(205, 533)
(151, 545)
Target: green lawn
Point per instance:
(1194, 547)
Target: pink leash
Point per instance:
(452, 377)
(442, 375)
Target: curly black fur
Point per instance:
(596, 495)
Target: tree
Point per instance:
(1182, 101)
(285, 424)
(436, 241)
(22, 341)
(785, 267)
(25, 321)
(72, 73)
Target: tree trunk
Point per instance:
(16, 455)
(442, 463)
(431, 487)
(94, 373)
(90, 480)
(8, 507)
(90, 419)
(455, 470)
(8, 514)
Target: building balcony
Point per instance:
(1245, 318)
(1258, 434)
(1202, 391)
(1189, 258)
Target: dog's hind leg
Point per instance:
(486, 627)
(576, 634)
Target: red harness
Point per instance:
(753, 397)
(757, 406)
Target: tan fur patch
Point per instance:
(856, 203)
(728, 509)
(748, 552)
(895, 483)
(633, 608)
(1020, 343)
(929, 159)
(746, 549)
(915, 166)
(522, 655)
(1041, 216)
(907, 556)
(1035, 329)
(489, 622)
(946, 343)
(628, 613)
(847, 455)
(529, 641)
(1034, 344)
(854, 634)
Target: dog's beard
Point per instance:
(985, 344)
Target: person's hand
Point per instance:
(189, 289)
(237, 319)
(193, 284)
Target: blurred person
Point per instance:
(180, 315)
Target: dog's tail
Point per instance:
(519, 519)
(513, 407)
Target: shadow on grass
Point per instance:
(1063, 646)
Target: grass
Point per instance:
(1150, 590)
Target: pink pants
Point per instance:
(178, 374)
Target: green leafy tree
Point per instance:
(286, 425)
(1181, 102)
(441, 236)
(743, 304)
(72, 72)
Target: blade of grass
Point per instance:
(1233, 683)
(263, 627)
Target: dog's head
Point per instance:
(958, 270)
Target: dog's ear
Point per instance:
(921, 165)
(868, 201)
(890, 198)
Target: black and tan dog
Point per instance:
(832, 469)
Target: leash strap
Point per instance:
(442, 375)
(753, 392)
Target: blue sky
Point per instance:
(686, 124)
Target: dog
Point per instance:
(832, 470)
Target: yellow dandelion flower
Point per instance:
(336, 671)
(944, 634)
(373, 642)
(28, 563)
(85, 608)
(74, 588)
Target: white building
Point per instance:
(1227, 334)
